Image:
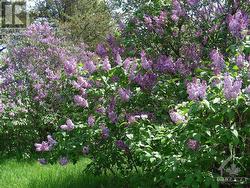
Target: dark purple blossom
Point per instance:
(42, 161)
(122, 146)
(85, 150)
(146, 81)
(63, 161)
(104, 131)
(165, 64)
(101, 50)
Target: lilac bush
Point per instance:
(174, 102)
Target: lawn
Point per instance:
(15, 174)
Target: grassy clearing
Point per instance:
(15, 174)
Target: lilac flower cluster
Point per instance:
(69, 126)
(237, 23)
(196, 89)
(176, 117)
(91, 120)
(146, 64)
(80, 101)
(218, 63)
(165, 64)
(101, 50)
(231, 88)
(124, 94)
(63, 161)
(192, 53)
(46, 145)
(111, 111)
(192, 144)
(122, 146)
(156, 23)
(104, 131)
(42, 161)
(177, 10)
(146, 81)
(240, 60)
(41, 32)
(193, 2)
(106, 66)
(70, 66)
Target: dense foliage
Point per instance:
(169, 96)
(77, 18)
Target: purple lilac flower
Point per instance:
(91, 121)
(177, 11)
(112, 116)
(44, 146)
(240, 61)
(42, 161)
(101, 110)
(83, 82)
(124, 94)
(80, 101)
(131, 119)
(69, 126)
(182, 68)
(191, 52)
(176, 117)
(165, 64)
(192, 2)
(104, 131)
(101, 50)
(85, 150)
(127, 63)
(63, 161)
(218, 62)
(192, 144)
(121, 145)
(70, 66)
(237, 23)
(90, 66)
(146, 64)
(148, 21)
(106, 66)
(231, 88)
(51, 75)
(146, 81)
(196, 89)
(51, 141)
(118, 59)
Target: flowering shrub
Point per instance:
(176, 112)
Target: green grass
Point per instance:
(15, 174)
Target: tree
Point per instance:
(86, 21)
